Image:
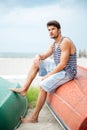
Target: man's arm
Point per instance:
(47, 53)
(65, 53)
(44, 55)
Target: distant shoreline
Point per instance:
(21, 55)
(17, 55)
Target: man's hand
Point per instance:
(46, 76)
(37, 60)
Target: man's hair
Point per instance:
(54, 23)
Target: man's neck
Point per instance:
(58, 39)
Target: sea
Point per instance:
(17, 55)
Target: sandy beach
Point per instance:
(19, 67)
(16, 69)
(15, 66)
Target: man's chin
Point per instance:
(52, 37)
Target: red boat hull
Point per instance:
(69, 102)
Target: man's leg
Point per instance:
(31, 75)
(40, 102)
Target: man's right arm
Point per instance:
(47, 53)
(44, 55)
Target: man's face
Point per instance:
(53, 32)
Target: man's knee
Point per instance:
(42, 90)
(35, 65)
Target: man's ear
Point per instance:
(59, 30)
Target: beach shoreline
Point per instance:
(16, 69)
(20, 66)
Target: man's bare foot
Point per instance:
(19, 90)
(29, 120)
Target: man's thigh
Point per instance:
(54, 81)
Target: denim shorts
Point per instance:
(54, 81)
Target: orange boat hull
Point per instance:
(69, 102)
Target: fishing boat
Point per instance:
(69, 103)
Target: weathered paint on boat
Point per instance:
(69, 102)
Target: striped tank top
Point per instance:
(71, 67)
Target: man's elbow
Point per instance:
(63, 65)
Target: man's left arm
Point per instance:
(65, 53)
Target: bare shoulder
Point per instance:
(67, 41)
(68, 44)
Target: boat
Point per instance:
(68, 103)
(12, 106)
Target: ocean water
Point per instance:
(16, 55)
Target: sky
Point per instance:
(23, 23)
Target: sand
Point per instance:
(16, 69)
(46, 121)
(20, 66)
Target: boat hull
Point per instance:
(69, 102)
(12, 106)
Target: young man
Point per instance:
(64, 53)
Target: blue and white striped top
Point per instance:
(71, 67)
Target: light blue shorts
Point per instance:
(54, 81)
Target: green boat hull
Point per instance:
(12, 106)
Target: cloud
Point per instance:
(21, 28)
(36, 3)
(27, 16)
(27, 3)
